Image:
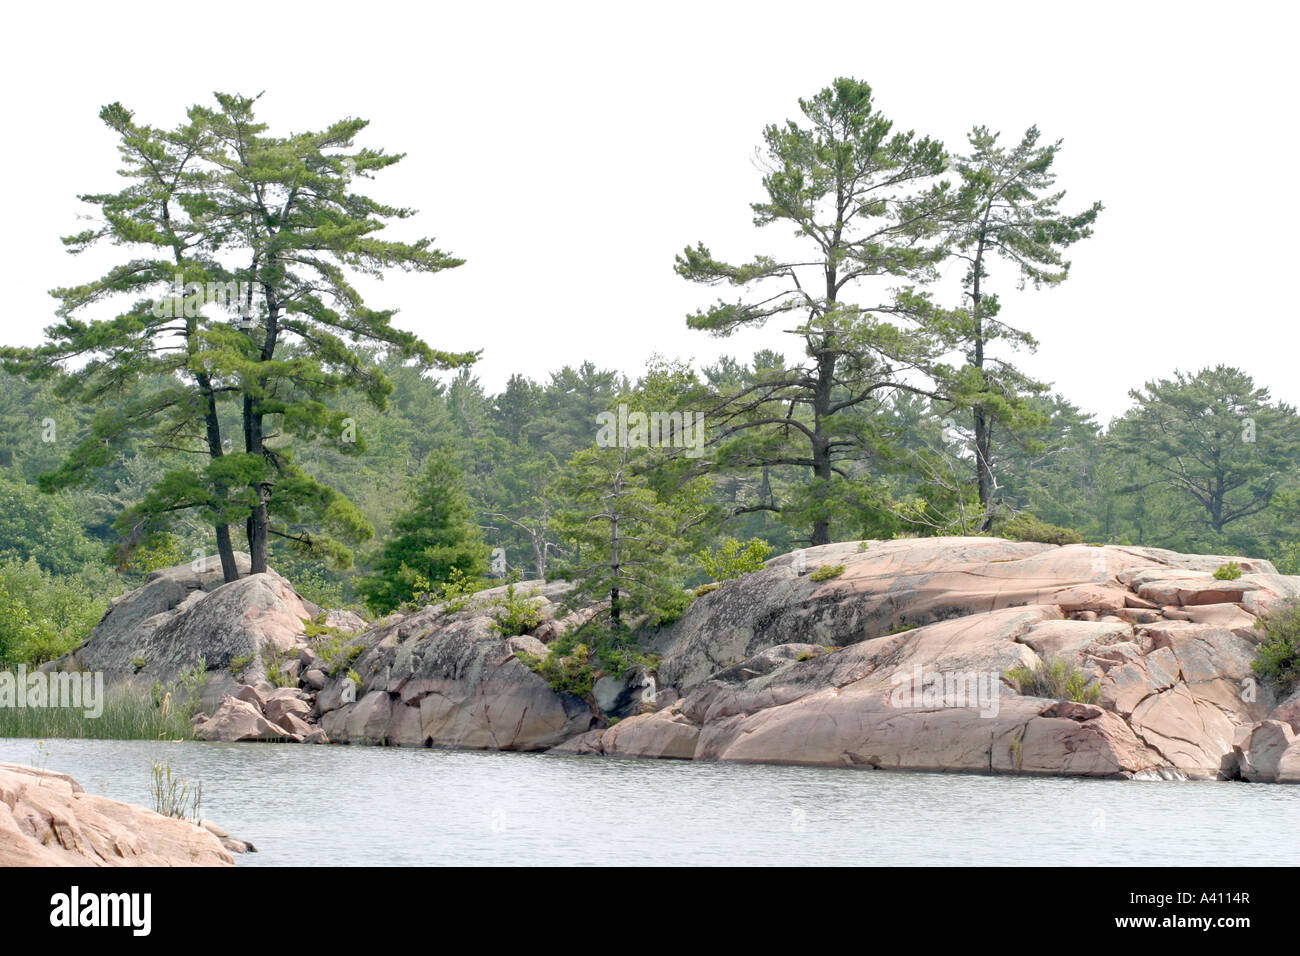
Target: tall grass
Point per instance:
(175, 797)
(130, 713)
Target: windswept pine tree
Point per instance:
(274, 227)
(865, 202)
(1011, 215)
(167, 336)
(289, 207)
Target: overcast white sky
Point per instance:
(568, 151)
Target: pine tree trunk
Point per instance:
(259, 518)
(983, 429)
(821, 457)
(984, 467)
(254, 443)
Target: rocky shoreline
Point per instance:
(47, 819)
(852, 665)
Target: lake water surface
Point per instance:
(327, 806)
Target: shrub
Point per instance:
(457, 592)
(565, 673)
(1287, 558)
(515, 615)
(732, 558)
(276, 672)
(1054, 679)
(1228, 572)
(316, 584)
(621, 661)
(1025, 527)
(1277, 657)
(826, 572)
(44, 616)
(338, 651)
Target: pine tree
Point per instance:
(865, 203)
(1011, 214)
(435, 542)
(168, 335)
(289, 205)
(279, 336)
(1216, 439)
(625, 538)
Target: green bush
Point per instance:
(276, 662)
(1277, 657)
(1025, 527)
(1228, 572)
(732, 558)
(44, 615)
(515, 614)
(317, 585)
(339, 651)
(1287, 558)
(1054, 679)
(566, 673)
(826, 572)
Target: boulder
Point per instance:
(277, 708)
(365, 721)
(348, 622)
(336, 694)
(237, 719)
(1269, 754)
(665, 733)
(181, 618)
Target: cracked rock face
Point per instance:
(915, 639)
(46, 819)
(899, 660)
(434, 679)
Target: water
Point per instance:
(361, 805)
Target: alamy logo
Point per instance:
(83, 690)
(188, 299)
(628, 429)
(73, 909)
(942, 689)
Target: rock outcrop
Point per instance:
(913, 643)
(441, 676)
(448, 678)
(899, 660)
(46, 819)
(184, 617)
